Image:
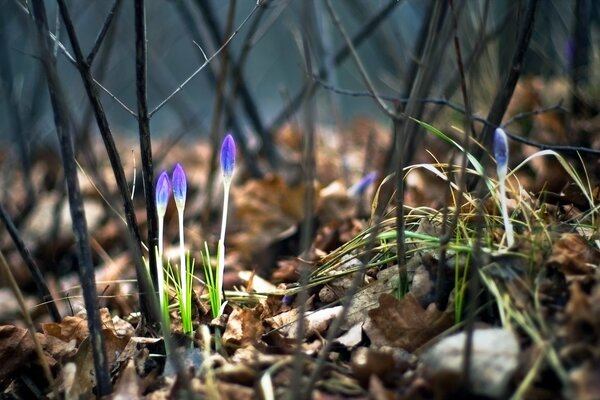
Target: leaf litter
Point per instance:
(539, 300)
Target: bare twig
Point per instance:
(36, 274)
(298, 390)
(72, 60)
(86, 268)
(363, 72)
(310, 88)
(112, 152)
(505, 92)
(443, 102)
(201, 67)
(144, 132)
(442, 289)
(239, 87)
(102, 34)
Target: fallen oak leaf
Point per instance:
(404, 323)
(244, 326)
(573, 256)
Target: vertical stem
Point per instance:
(160, 275)
(115, 163)
(86, 268)
(221, 244)
(226, 187)
(182, 272)
(34, 270)
(144, 129)
(510, 239)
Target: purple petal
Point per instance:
(163, 191)
(228, 156)
(359, 187)
(179, 186)
(500, 148)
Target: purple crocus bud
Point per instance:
(228, 156)
(179, 186)
(163, 191)
(501, 149)
(359, 187)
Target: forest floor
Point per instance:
(532, 316)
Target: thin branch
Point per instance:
(34, 270)
(363, 72)
(239, 87)
(141, 81)
(112, 152)
(309, 88)
(86, 267)
(443, 102)
(506, 90)
(102, 34)
(73, 61)
(185, 82)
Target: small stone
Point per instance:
(494, 360)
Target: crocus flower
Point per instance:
(501, 151)
(228, 156)
(163, 191)
(501, 155)
(179, 186)
(359, 187)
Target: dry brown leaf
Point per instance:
(264, 209)
(574, 256)
(404, 323)
(70, 328)
(244, 326)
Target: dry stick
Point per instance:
(103, 31)
(441, 298)
(395, 116)
(72, 60)
(206, 62)
(572, 150)
(406, 141)
(34, 270)
(86, 268)
(91, 156)
(441, 289)
(309, 89)
(144, 132)
(113, 155)
(505, 92)
(579, 64)
(307, 225)
(30, 326)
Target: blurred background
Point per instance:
(267, 62)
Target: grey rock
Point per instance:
(495, 354)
